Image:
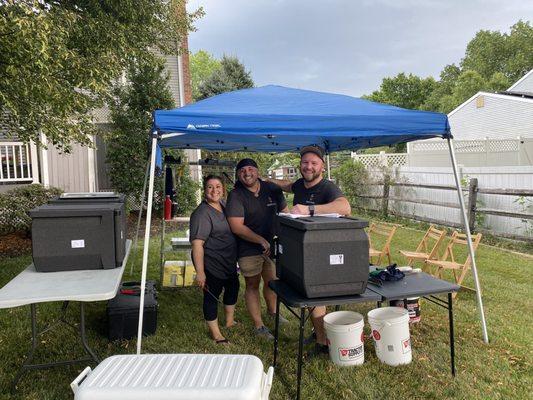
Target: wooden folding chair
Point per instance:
(448, 262)
(386, 231)
(424, 251)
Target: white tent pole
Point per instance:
(469, 240)
(140, 216)
(146, 240)
(329, 172)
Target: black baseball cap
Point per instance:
(246, 162)
(319, 151)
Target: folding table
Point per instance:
(32, 287)
(420, 284)
(293, 299)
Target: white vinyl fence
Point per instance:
(502, 179)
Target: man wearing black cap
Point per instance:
(313, 194)
(251, 209)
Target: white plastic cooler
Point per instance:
(176, 377)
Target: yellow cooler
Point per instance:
(178, 274)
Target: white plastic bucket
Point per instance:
(390, 330)
(344, 331)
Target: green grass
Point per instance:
(499, 370)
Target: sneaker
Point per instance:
(282, 319)
(264, 333)
(320, 350)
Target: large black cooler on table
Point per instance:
(123, 312)
(69, 236)
(100, 198)
(323, 256)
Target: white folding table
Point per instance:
(32, 287)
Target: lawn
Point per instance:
(499, 370)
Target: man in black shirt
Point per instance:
(251, 209)
(313, 194)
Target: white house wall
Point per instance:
(524, 85)
(501, 117)
(69, 172)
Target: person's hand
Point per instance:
(266, 247)
(300, 209)
(200, 279)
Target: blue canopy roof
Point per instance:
(279, 119)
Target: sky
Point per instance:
(347, 46)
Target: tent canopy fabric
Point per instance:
(280, 119)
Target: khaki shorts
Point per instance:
(254, 265)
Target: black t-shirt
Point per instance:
(323, 192)
(258, 212)
(220, 247)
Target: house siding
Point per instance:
(525, 85)
(499, 118)
(70, 172)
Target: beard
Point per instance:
(310, 176)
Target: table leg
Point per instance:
(300, 351)
(276, 333)
(82, 334)
(29, 355)
(452, 341)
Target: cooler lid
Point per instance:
(174, 376)
(323, 223)
(91, 196)
(74, 210)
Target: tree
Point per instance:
(231, 75)
(407, 91)
(202, 66)
(128, 145)
(59, 58)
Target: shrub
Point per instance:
(352, 177)
(16, 203)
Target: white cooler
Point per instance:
(176, 377)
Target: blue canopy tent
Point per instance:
(280, 119)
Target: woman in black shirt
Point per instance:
(214, 254)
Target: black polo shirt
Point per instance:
(220, 247)
(323, 192)
(258, 212)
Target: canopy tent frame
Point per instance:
(222, 138)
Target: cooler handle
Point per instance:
(76, 382)
(267, 383)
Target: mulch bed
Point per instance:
(15, 244)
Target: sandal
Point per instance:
(235, 323)
(222, 341)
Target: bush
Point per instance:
(16, 203)
(352, 177)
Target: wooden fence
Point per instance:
(471, 192)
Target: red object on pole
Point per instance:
(168, 208)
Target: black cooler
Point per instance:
(323, 256)
(69, 236)
(123, 311)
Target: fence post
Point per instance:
(385, 200)
(472, 200)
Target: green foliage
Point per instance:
(231, 75)
(352, 178)
(128, 143)
(186, 189)
(59, 59)
(16, 203)
(202, 65)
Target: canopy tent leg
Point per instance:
(329, 171)
(140, 216)
(146, 239)
(469, 240)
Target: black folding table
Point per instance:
(293, 299)
(420, 284)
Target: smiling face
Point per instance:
(248, 175)
(214, 190)
(311, 167)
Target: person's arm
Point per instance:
(198, 261)
(340, 206)
(238, 228)
(284, 184)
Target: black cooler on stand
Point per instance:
(323, 256)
